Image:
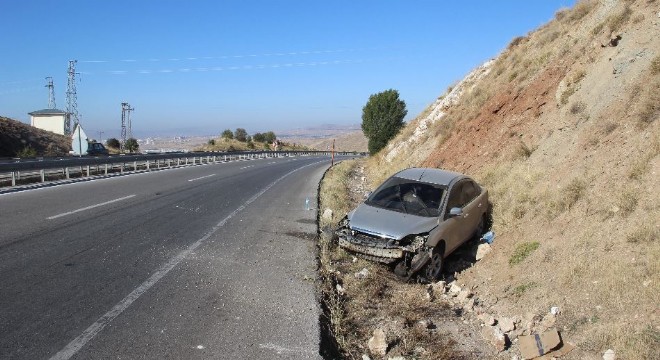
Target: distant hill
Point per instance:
(16, 136)
(352, 141)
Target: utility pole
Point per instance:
(101, 136)
(71, 98)
(51, 92)
(125, 118)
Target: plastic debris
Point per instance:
(488, 237)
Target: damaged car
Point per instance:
(415, 219)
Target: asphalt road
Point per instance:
(213, 261)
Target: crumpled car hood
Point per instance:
(388, 223)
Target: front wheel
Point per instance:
(434, 267)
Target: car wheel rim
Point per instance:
(435, 267)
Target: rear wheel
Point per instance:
(434, 267)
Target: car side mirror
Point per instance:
(456, 211)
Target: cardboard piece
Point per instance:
(563, 349)
(533, 346)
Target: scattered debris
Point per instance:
(488, 237)
(327, 214)
(362, 274)
(378, 343)
(548, 343)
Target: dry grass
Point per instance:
(616, 22)
(655, 65)
(580, 10)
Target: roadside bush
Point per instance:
(27, 152)
(113, 143)
(382, 118)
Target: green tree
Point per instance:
(131, 145)
(112, 143)
(269, 137)
(227, 134)
(211, 142)
(259, 137)
(240, 134)
(382, 118)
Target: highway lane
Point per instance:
(182, 263)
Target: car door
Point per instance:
(471, 207)
(452, 226)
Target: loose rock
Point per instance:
(494, 335)
(482, 250)
(506, 324)
(487, 319)
(378, 343)
(609, 355)
(454, 289)
(463, 295)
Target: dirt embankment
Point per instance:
(562, 129)
(18, 138)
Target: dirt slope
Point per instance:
(16, 136)
(562, 128)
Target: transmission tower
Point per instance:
(51, 92)
(125, 119)
(71, 98)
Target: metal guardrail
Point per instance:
(66, 167)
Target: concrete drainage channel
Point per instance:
(328, 345)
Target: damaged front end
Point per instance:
(379, 247)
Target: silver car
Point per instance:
(415, 219)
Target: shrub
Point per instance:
(577, 107)
(113, 143)
(211, 142)
(522, 251)
(240, 134)
(27, 152)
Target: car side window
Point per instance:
(470, 191)
(455, 196)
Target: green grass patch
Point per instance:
(522, 251)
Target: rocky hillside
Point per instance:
(562, 129)
(17, 138)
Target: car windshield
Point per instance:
(408, 196)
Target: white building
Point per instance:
(49, 119)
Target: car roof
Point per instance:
(430, 175)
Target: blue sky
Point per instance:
(198, 67)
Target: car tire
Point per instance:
(433, 271)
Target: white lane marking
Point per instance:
(203, 177)
(76, 344)
(89, 207)
(245, 167)
(282, 349)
